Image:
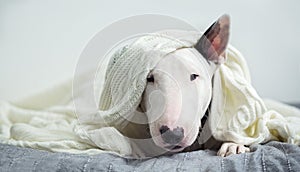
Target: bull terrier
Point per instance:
(186, 86)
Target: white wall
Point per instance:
(40, 41)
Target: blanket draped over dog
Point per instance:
(48, 121)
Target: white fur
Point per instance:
(185, 101)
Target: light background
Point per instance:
(40, 41)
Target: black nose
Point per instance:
(172, 137)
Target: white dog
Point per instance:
(178, 94)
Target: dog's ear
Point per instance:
(213, 42)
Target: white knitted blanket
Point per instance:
(47, 120)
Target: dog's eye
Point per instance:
(193, 76)
(150, 78)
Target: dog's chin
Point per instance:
(174, 148)
(170, 148)
(186, 142)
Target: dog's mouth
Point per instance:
(174, 148)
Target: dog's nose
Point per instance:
(172, 137)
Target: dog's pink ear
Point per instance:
(213, 42)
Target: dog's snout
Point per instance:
(172, 137)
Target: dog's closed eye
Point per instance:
(193, 76)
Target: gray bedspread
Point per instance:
(273, 156)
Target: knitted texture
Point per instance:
(236, 107)
(127, 72)
(238, 114)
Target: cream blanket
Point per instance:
(48, 121)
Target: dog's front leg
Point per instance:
(229, 148)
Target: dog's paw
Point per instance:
(232, 148)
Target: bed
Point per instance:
(272, 156)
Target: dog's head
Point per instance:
(179, 88)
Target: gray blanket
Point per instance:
(273, 156)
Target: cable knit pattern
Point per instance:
(127, 73)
